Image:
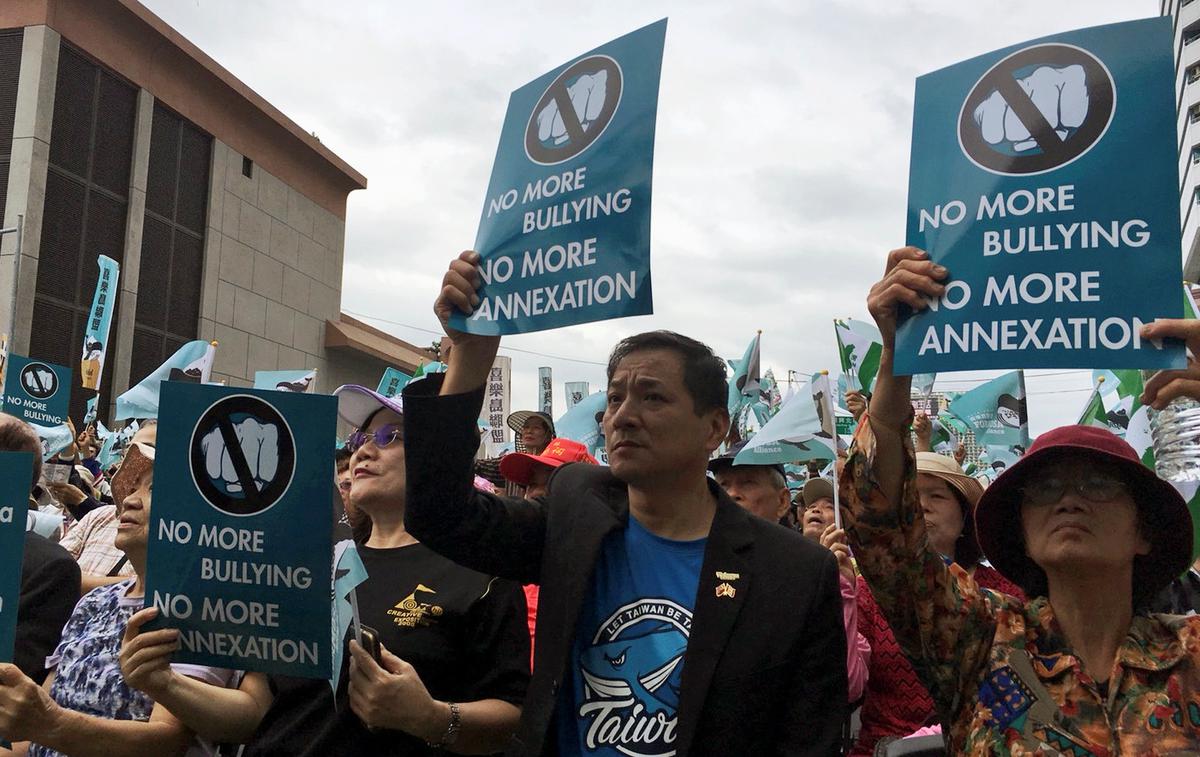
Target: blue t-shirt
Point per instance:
(627, 660)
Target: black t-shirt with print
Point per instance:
(463, 632)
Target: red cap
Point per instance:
(998, 514)
(517, 466)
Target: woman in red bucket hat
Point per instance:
(1089, 534)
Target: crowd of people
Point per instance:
(672, 602)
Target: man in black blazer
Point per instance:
(670, 621)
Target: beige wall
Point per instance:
(272, 274)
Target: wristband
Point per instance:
(451, 734)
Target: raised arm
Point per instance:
(500, 536)
(214, 712)
(940, 617)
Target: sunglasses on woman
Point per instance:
(382, 436)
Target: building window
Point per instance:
(1196, 155)
(247, 167)
(87, 187)
(1193, 73)
(1194, 113)
(171, 272)
(10, 69)
(1191, 34)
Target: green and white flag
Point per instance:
(859, 348)
(1094, 413)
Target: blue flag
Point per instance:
(348, 573)
(580, 424)
(286, 381)
(1023, 161)
(565, 230)
(192, 362)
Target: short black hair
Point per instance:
(342, 454)
(18, 436)
(703, 372)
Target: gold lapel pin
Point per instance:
(725, 590)
(723, 576)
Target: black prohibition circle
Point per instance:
(219, 415)
(43, 392)
(1055, 152)
(579, 140)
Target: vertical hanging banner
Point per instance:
(37, 392)
(234, 561)
(1023, 162)
(95, 338)
(546, 389)
(576, 392)
(565, 230)
(16, 470)
(495, 403)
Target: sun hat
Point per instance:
(998, 514)
(951, 472)
(966, 546)
(516, 421)
(726, 459)
(138, 459)
(356, 404)
(518, 466)
(815, 489)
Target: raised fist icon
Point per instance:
(38, 381)
(1061, 94)
(587, 98)
(259, 447)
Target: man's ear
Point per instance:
(718, 424)
(785, 501)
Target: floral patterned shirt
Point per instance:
(1002, 675)
(87, 674)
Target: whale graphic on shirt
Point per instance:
(641, 665)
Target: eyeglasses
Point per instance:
(1094, 487)
(382, 436)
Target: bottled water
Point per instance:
(1176, 434)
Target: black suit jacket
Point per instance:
(49, 591)
(765, 668)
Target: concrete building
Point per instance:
(1186, 15)
(120, 137)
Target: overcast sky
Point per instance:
(780, 168)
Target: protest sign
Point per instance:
(16, 470)
(1021, 169)
(95, 339)
(37, 392)
(234, 561)
(392, 382)
(565, 230)
(286, 381)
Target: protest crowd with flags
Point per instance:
(697, 558)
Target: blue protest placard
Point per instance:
(36, 391)
(16, 471)
(565, 230)
(234, 560)
(392, 381)
(1044, 177)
